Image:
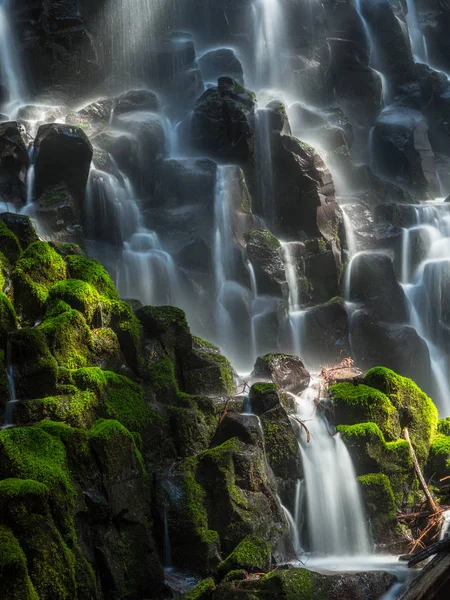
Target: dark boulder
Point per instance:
(222, 62)
(301, 184)
(244, 427)
(402, 153)
(63, 158)
(14, 162)
(92, 117)
(373, 282)
(221, 123)
(287, 371)
(398, 347)
(325, 334)
(134, 100)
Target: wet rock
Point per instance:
(396, 215)
(207, 371)
(92, 117)
(183, 182)
(123, 148)
(374, 283)
(301, 184)
(63, 158)
(325, 334)
(21, 227)
(278, 118)
(221, 63)
(264, 252)
(220, 125)
(245, 428)
(322, 273)
(135, 100)
(287, 371)
(435, 104)
(402, 151)
(397, 347)
(387, 23)
(14, 162)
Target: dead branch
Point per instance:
(302, 424)
(431, 501)
(437, 547)
(444, 478)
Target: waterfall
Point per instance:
(11, 75)
(269, 34)
(263, 151)
(352, 244)
(167, 550)
(8, 420)
(337, 525)
(30, 175)
(427, 284)
(418, 40)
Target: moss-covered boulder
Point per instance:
(202, 591)
(415, 409)
(8, 318)
(37, 270)
(252, 554)
(91, 271)
(263, 397)
(14, 579)
(379, 500)
(35, 369)
(77, 294)
(69, 338)
(207, 371)
(9, 243)
(438, 465)
(21, 226)
(355, 404)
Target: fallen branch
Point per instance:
(444, 478)
(431, 501)
(437, 547)
(416, 515)
(302, 424)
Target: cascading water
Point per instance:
(8, 419)
(336, 521)
(269, 41)
(426, 285)
(296, 314)
(30, 175)
(11, 73)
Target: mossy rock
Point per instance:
(4, 270)
(169, 325)
(69, 338)
(438, 465)
(109, 438)
(15, 582)
(9, 243)
(37, 270)
(8, 318)
(444, 426)
(372, 454)
(208, 371)
(416, 411)
(21, 226)
(106, 351)
(263, 397)
(253, 554)
(91, 271)
(193, 422)
(263, 237)
(121, 398)
(379, 500)
(77, 294)
(281, 444)
(355, 404)
(77, 409)
(65, 249)
(129, 332)
(202, 591)
(36, 369)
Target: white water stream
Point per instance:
(10, 68)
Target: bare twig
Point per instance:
(431, 501)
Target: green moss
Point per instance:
(37, 269)
(265, 388)
(69, 338)
(280, 445)
(194, 497)
(31, 453)
(295, 584)
(202, 591)
(206, 380)
(372, 454)
(162, 375)
(77, 294)
(235, 575)
(416, 411)
(379, 499)
(14, 579)
(123, 399)
(112, 432)
(129, 332)
(252, 554)
(9, 243)
(360, 403)
(4, 269)
(264, 236)
(76, 408)
(444, 426)
(8, 319)
(438, 465)
(65, 249)
(92, 272)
